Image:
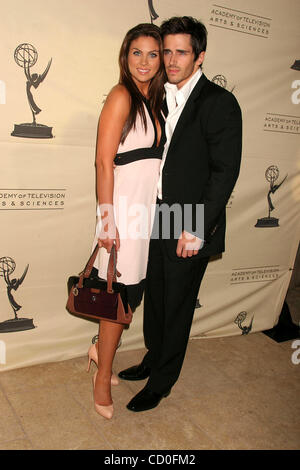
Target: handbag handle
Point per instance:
(112, 271)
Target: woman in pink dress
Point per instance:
(129, 149)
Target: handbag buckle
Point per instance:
(75, 291)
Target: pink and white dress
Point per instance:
(135, 190)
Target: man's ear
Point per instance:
(200, 59)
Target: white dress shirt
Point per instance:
(176, 100)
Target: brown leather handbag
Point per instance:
(92, 297)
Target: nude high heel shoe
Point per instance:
(93, 356)
(106, 411)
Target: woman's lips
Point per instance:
(143, 71)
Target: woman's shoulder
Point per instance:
(117, 103)
(119, 94)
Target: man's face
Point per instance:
(179, 58)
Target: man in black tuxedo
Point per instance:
(199, 167)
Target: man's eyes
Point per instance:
(167, 52)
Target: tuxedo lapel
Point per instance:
(186, 111)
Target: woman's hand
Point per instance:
(108, 236)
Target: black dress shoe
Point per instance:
(139, 372)
(146, 400)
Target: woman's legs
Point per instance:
(109, 338)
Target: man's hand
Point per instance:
(188, 245)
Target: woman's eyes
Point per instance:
(151, 54)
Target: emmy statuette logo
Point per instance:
(271, 175)
(7, 267)
(240, 319)
(222, 81)
(153, 14)
(26, 56)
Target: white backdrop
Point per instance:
(47, 185)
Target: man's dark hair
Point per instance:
(187, 25)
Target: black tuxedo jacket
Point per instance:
(203, 161)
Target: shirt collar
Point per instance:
(184, 92)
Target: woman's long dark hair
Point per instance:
(156, 87)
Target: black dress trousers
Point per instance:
(171, 291)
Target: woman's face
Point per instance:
(143, 59)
